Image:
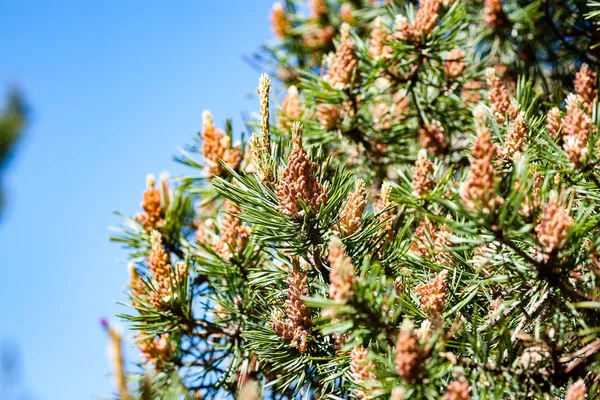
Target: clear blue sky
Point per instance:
(115, 86)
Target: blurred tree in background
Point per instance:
(12, 121)
(415, 215)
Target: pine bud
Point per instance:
(361, 371)
(216, 144)
(280, 22)
(433, 294)
(427, 16)
(498, 97)
(458, 390)
(260, 145)
(352, 210)
(291, 109)
(318, 8)
(431, 137)
(234, 234)
(403, 30)
(553, 228)
(328, 116)
(386, 217)
(455, 65)
(298, 183)
(554, 121)
(577, 126)
(345, 62)
(297, 326)
(163, 274)
(341, 276)
(422, 181)
(576, 391)
(515, 139)
(409, 354)
(379, 35)
(152, 203)
(494, 14)
(479, 190)
(346, 13)
(155, 350)
(585, 87)
(423, 238)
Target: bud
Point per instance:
(152, 203)
(515, 139)
(318, 8)
(291, 109)
(458, 390)
(553, 122)
(498, 97)
(379, 35)
(433, 294)
(298, 183)
(553, 228)
(344, 64)
(297, 326)
(217, 145)
(409, 354)
(422, 181)
(328, 116)
(494, 14)
(386, 217)
(431, 137)
(234, 234)
(361, 370)
(577, 126)
(352, 210)
(585, 87)
(260, 145)
(280, 22)
(455, 65)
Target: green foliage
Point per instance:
(467, 216)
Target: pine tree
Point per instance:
(417, 217)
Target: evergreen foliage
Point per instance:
(418, 218)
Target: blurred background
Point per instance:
(113, 88)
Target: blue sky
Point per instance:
(115, 86)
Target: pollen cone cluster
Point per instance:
(152, 203)
(295, 327)
(455, 65)
(361, 371)
(234, 234)
(298, 184)
(554, 121)
(458, 390)
(585, 87)
(423, 238)
(318, 8)
(431, 137)
(379, 35)
(432, 294)
(291, 109)
(343, 65)
(217, 145)
(553, 228)
(515, 139)
(157, 350)
(341, 276)
(353, 209)
(494, 14)
(479, 190)
(498, 97)
(422, 181)
(577, 126)
(409, 354)
(386, 217)
(425, 20)
(164, 276)
(280, 22)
